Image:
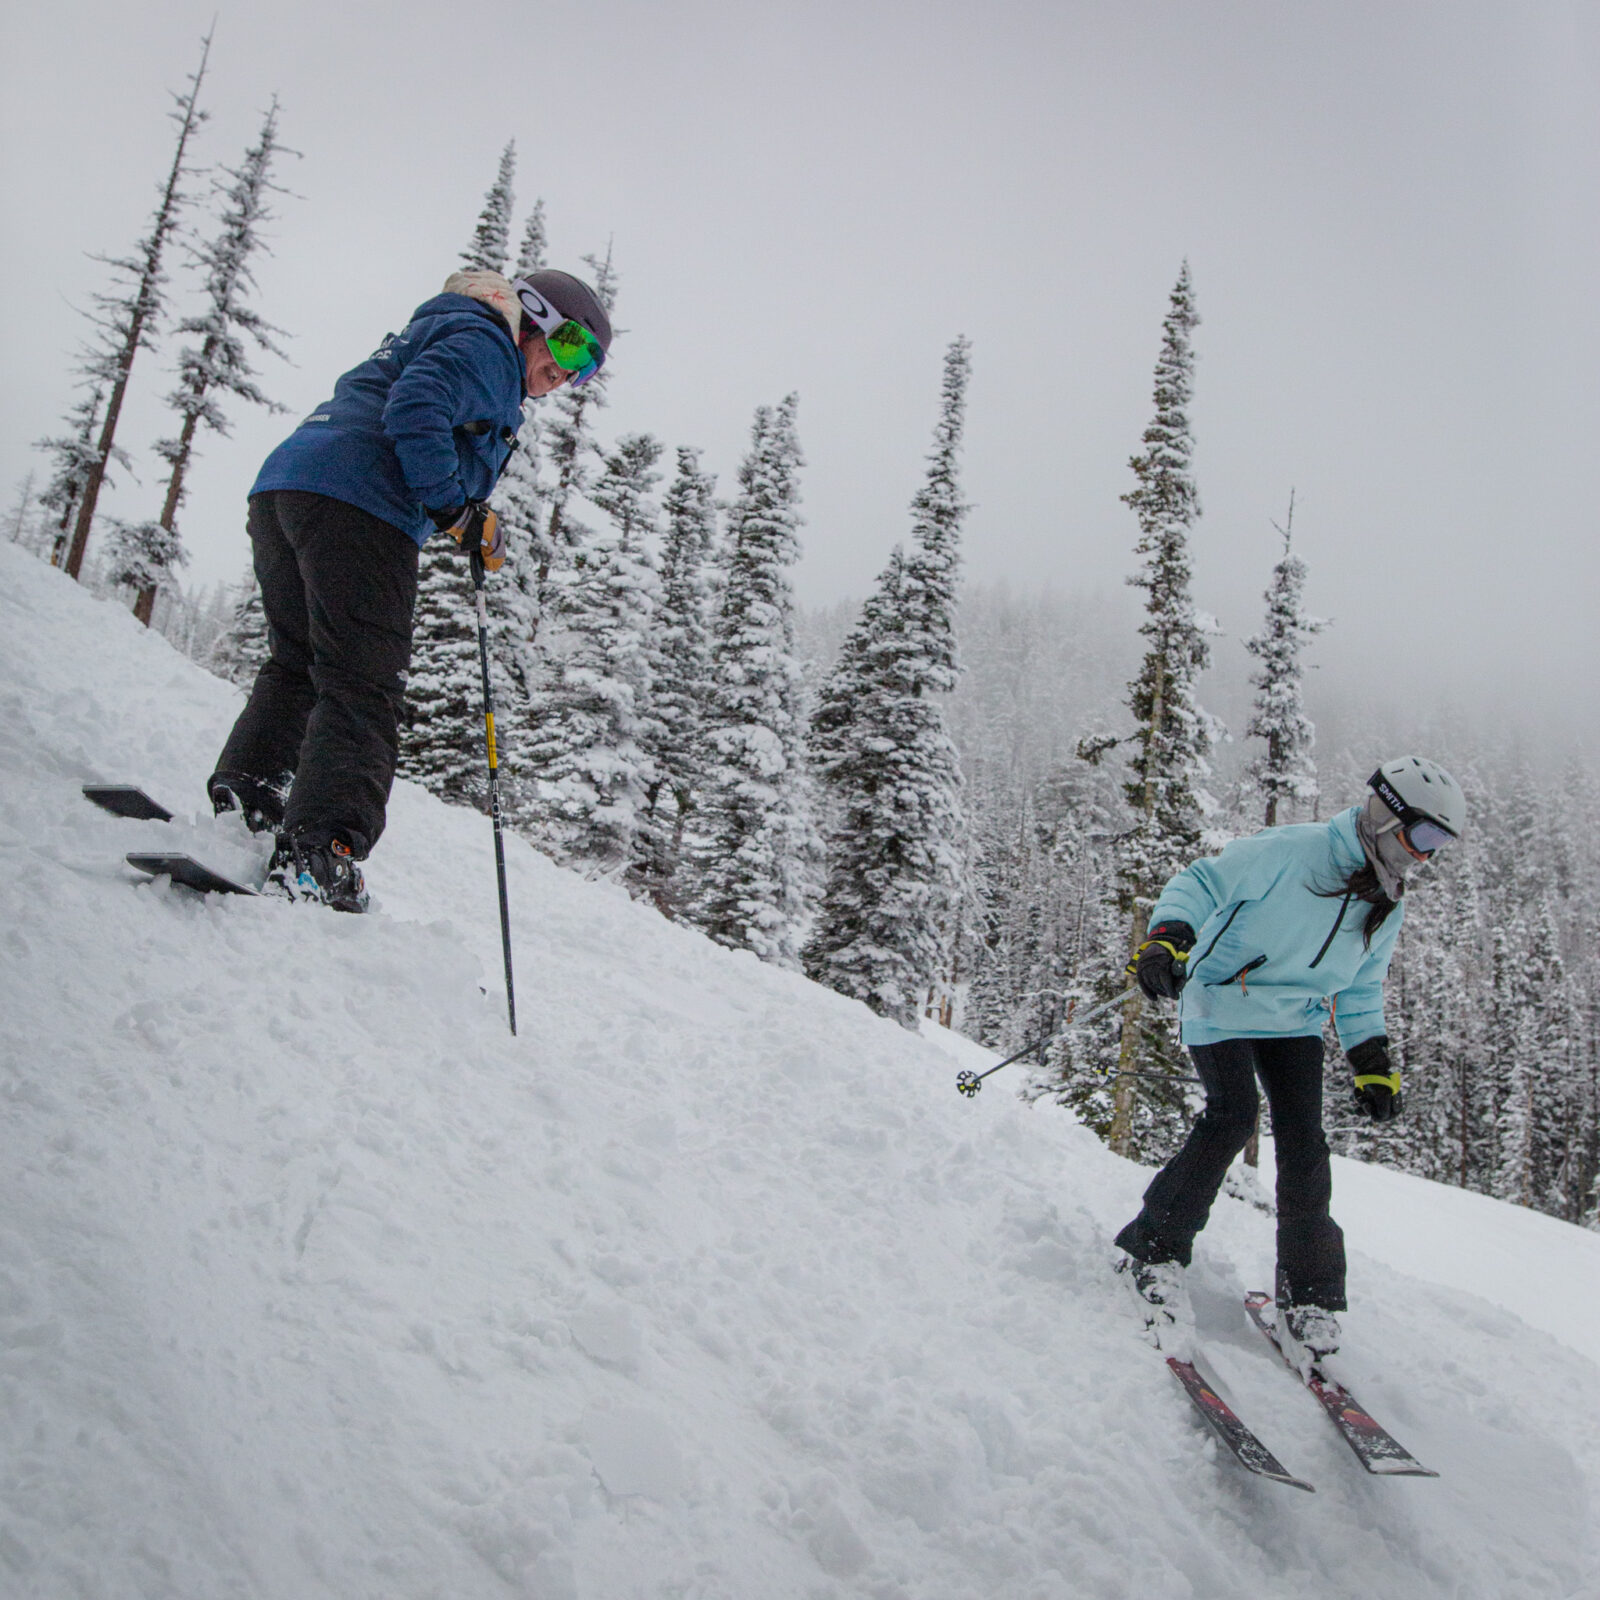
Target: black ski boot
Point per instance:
(326, 873)
(1161, 1296)
(260, 803)
(1312, 1326)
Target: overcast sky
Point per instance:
(1389, 210)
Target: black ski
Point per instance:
(1245, 1448)
(1374, 1446)
(187, 871)
(124, 800)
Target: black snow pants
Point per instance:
(1178, 1201)
(338, 587)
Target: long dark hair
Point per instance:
(1362, 884)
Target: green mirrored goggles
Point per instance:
(572, 346)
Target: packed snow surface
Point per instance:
(316, 1283)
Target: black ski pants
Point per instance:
(339, 587)
(1310, 1243)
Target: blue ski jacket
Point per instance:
(1273, 956)
(426, 421)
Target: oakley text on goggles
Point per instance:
(572, 346)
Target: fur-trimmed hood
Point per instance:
(494, 291)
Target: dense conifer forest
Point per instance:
(955, 804)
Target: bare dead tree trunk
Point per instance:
(144, 304)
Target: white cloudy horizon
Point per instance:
(1388, 212)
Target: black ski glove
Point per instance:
(1377, 1086)
(473, 524)
(1158, 964)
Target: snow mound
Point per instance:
(315, 1283)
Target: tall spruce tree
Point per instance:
(127, 322)
(531, 253)
(491, 239)
(1286, 775)
(217, 364)
(441, 732)
(241, 644)
(890, 770)
(519, 503)
(1173, 734)
(757, 845)
(73, 456)
(569, 447)
(680, 646)
(589, 754)
(513, 599)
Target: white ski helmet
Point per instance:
(1418, 790)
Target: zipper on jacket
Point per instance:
(1338, 922)
(1240, 976)
(1220, 931)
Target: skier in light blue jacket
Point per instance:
(1259, 945)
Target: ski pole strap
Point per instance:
(1391, 1082)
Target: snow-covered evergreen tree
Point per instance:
(22, 521)
(1286, 776)
(72, 457)
(569, 447)
(142, 556)
(756, 843)
(513, 598)
(593, 727)
(491, 239)
(532, 252)
(890, 770)
(127, 325)
(241, 645)
(1517, 1065)
(218, 364)
(1556, 1081)
(441, 738)
(680, 645)
(441, 734)
(1168, 766)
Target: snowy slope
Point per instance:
(314, 1283)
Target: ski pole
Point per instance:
(476, 556)
(969, 1083)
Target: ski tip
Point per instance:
(126, 800)
(186, 870)
(1399, 1469)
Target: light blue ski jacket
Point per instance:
(1273, 956)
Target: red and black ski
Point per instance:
(1375, 1447)
(1245, 1448)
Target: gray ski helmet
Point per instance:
(572, 297)
(1413, 787)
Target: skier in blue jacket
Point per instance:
(412, 442)
(1259, 945)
